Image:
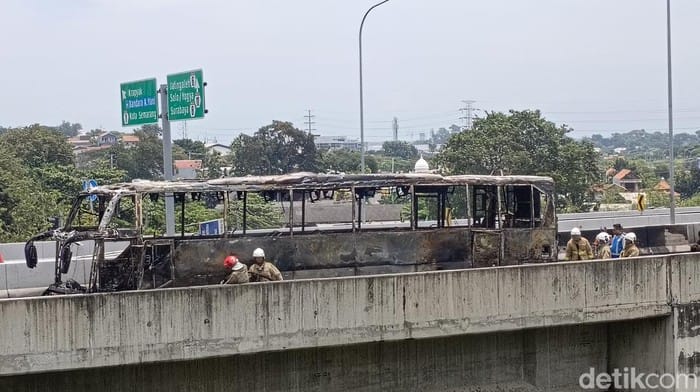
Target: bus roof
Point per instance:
(316, 181)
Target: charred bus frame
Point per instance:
(505, 220)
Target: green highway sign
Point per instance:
(186, 96)
(139, 102)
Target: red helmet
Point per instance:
(230, 261)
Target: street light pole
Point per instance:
(362, 118)
(671, 181)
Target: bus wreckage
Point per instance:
(310, 225)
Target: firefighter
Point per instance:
(263, 271)
(603, 245)
(630, 248)
(239, 272)
(578, 248)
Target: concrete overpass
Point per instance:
(533, 327)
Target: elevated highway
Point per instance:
(532, 327)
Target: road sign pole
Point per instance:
(167, 161)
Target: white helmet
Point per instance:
(259, 253)
(631, 237)
(603, 237)
(575, 231)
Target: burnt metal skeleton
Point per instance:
(433, 222)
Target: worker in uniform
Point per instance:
(617, 242)
(578, 248)
(239, 271)
(693, 248)
(603, 245)
(630, 248)
(263, 271)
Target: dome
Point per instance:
(421, 166)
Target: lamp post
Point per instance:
(671, 181)
(362, 118)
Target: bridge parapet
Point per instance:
(69, 332)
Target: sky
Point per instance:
(598, 66)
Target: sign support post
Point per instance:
(167, 161)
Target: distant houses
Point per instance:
(628, 180)
(84, 145)
(187, 169)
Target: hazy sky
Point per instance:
(597, 65)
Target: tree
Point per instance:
(346, 161)
(522, 142)
(277, 148)
(193, 149)
(68, 129)
(37, 145)
(440, 137)
(688, 182)
(400, 149)
(24, 204)
(144, 160)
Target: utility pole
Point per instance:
(308, 121)
(395, 128)
(671, 177)
(167, 161)
(468, 111)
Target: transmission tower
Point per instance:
(468, 112)
(309, 121)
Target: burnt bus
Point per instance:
(310, 225)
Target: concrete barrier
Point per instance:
(72, 332)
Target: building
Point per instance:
(107, 138)
(187, 169)
(337, 143)
(129, 140)
(628, 180)
(219, 148)
(665, 187)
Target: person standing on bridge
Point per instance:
(602, 241)
(630, 249)
(578, 248)
(693, 248)
(617, 242)
(263, 271)
(239, 272)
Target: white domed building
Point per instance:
(421, 166)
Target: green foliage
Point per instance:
(345, 161)
(399, 165)
(37, 145)
(400, 149)
(693, 201)
(68, 129)
(144, 160)
(214, 162)
(189, 149)
(24, 205)
(647, 145)
(260, 214)
(688, 181)
(277, 148)
(657, 199)
(523, 142)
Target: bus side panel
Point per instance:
(529, 245)
(200, 261)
